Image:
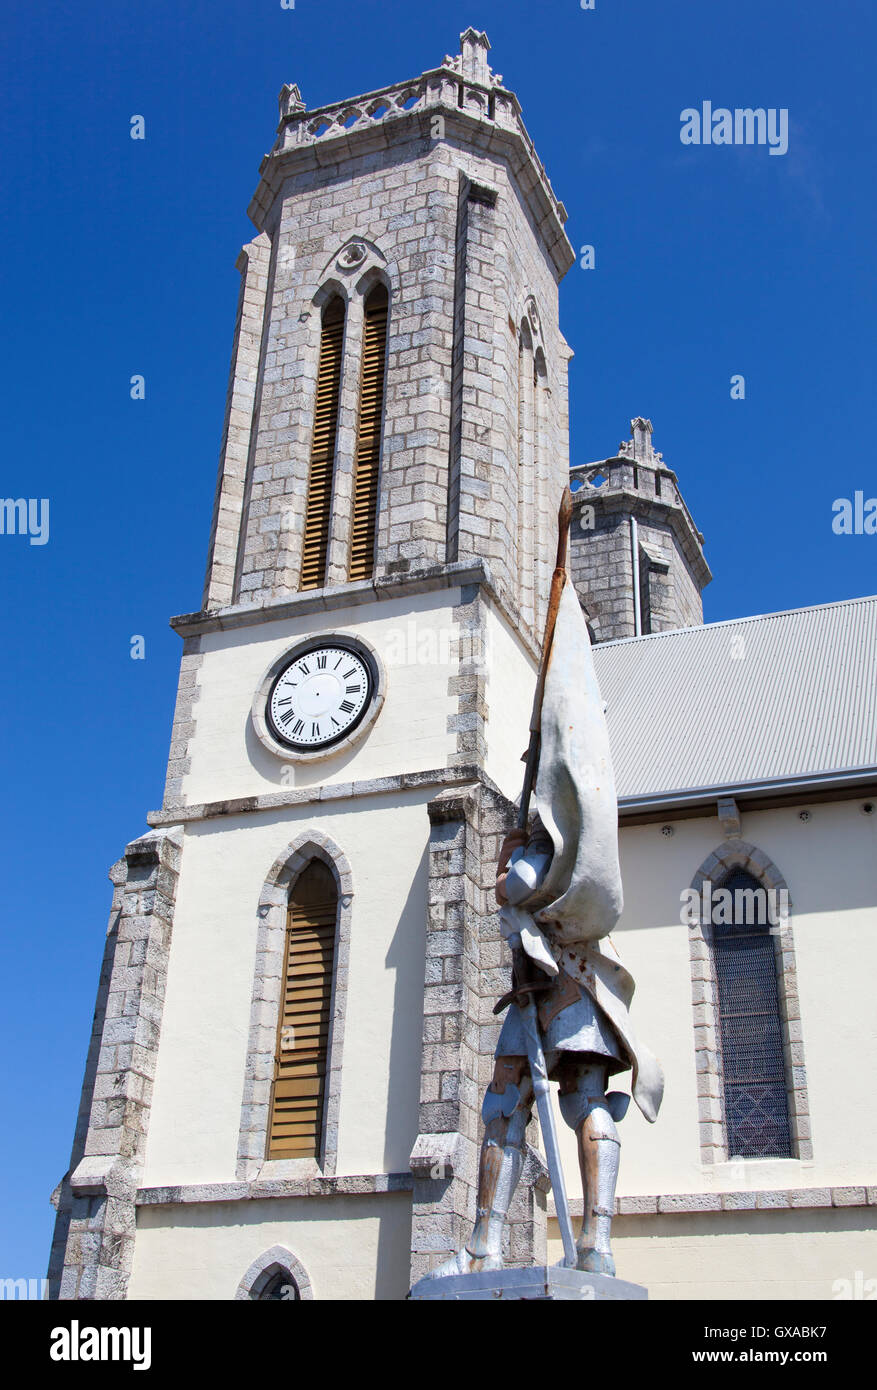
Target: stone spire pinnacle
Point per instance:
(641, 430)
(474, 47)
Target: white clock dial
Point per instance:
(320, 696)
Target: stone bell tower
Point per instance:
(636, 555)
(433, 190)
(294, 1025)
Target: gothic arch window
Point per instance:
(318, 513)
(276, 1276)
(292, 1081)
(295, 1128)
(751, 1079)
(368, 434)
(754, 1081)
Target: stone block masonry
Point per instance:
(93, 1246)
(636, 556)
(444, 201)
(466, 971)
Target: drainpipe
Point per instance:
(634, 555)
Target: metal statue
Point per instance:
(559, 889)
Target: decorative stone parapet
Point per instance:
(442, 86)
(461, 89)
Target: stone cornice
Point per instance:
(353, 1185)
(675, 514)
(458, 574)
(299, 147)
(753, 1199)
(337, 791)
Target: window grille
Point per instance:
(750, 1028)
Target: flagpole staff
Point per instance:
(558, 580)
(524, 975)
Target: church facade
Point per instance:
(294, 1021)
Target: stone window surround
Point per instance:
(277, 1260)
(736, 853)
(267, 985)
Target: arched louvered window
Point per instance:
(319, 503)
(750, 1027)
(298, 1095)
(368, 438)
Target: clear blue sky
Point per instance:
(118, 258)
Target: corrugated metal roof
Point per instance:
(781, 696)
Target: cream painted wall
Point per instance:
(743, 1255)
(511, 681)
(193, 1133)
(830, 865)
(350, 1247)
(413, 638)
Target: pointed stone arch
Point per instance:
(736, 853)
(352, 259)
(308, 845)
(277, 1260)
(739, 854)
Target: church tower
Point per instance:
(636, 556)
(293, 1024)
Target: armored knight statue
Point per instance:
(559, 889)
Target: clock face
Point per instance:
(320, 697)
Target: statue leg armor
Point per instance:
(585, 1109)
(506, 1112)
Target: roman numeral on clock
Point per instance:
(347, 706)
(287, 715)
(353, 689)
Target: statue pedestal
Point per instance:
(538, 1282)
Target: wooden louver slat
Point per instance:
(298, 1093)
(368, 439)
(319, 503)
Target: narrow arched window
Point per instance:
(319, 503)
(298, 1094)
(368, 437)
(750, 1026)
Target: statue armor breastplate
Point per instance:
(569, 1019)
